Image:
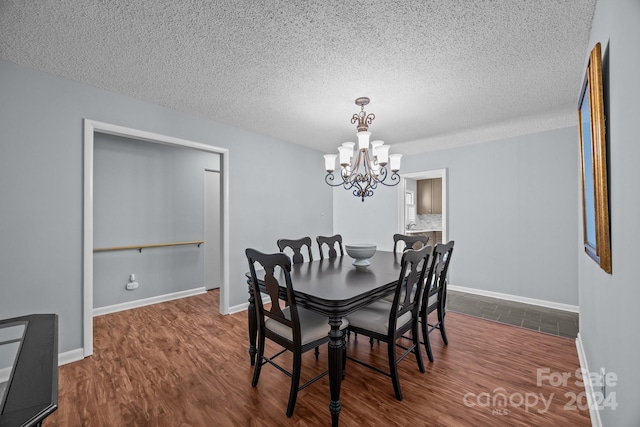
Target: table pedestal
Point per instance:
(336, 366)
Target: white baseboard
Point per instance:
(516, 298)
(238, 308)
(588, 387)
(70, 356)
(147, 301)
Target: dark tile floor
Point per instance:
(542, 319)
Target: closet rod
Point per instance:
(141, 247)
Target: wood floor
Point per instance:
(180, 363)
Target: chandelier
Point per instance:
(368, 168)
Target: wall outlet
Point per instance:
(132, 285)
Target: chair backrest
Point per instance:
(331, 242)
(409, 241)
(276, 266)
(296, 246)
(409, 288)
(436, 281)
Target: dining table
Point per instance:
(334, 288)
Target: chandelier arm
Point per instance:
(382, 174)
(356, 163)
(363, 120)
(370, 118)
(369, 170)
(347, 184)
(395, 179)
(358, 191)
(329, 178)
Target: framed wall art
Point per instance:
(593, 155)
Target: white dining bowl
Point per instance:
(360, 252)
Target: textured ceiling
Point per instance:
(439, 73)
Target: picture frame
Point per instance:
(593, 156)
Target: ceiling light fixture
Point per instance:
(367, 169)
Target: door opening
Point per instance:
(90, 128)
(423, 206)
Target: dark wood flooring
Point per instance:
(180, 363)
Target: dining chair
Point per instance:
(296, 246)
(388, 322)
(409, 241)
(434, 296)
(331, 242)
(294, 328)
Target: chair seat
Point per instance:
(313, 326)
(375, 317)
(432, 300)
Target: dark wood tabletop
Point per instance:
(336, 287)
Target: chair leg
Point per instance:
(416, 345)
(258, 366)
(393, 369)
(295, 382)
(442, 331)
(371, 342)
(425, 336)
(317, 353)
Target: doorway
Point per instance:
(408, 213)
(90, 128)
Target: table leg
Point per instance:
(253, 325)
(335, 367)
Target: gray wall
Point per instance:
(41, 154)
(511, 207)
(146, 193)
(609, 303)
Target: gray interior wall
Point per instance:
(41, 158)
(373, 221)
(511, 208)
(609, 312)
(147, 193)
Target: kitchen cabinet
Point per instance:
(429, 196)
